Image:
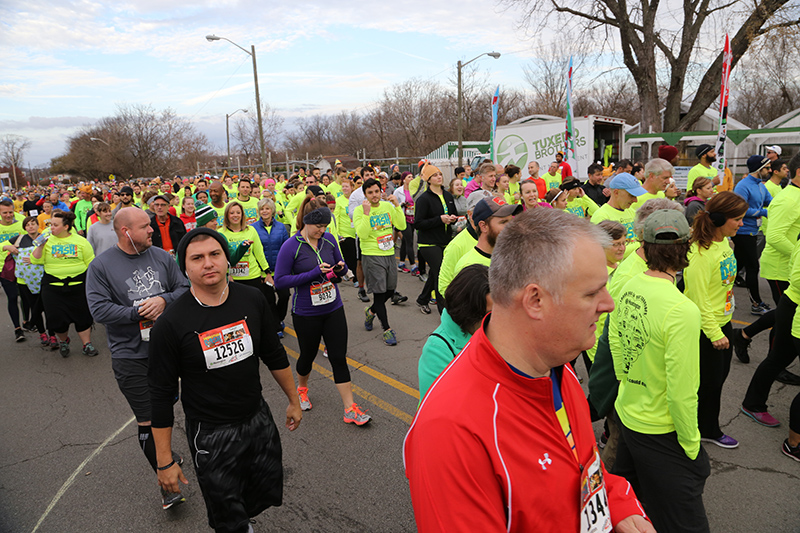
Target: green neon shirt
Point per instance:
(654, 338)
(455, 250)
(781, 233)
(65, 257)
(699, 171)
(251, 264)
(375, 230)
(606, 212)
(582, 206)
(709, 284)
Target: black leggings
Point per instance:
(348, 246)
(433, 255)
(332, 328)
(766, 321)
(379, 307)
(10, 288)
(35, 307)
(746, 252)
(407, 244)
(782, 352)
(714, 367)
(278, 301)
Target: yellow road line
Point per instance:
(402, 387)
(740, 322)
(358, 391)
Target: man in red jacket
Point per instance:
(503, 439)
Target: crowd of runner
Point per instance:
(193, 276)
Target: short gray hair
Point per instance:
(266, 201)
(537, 247)
(657, 166)
(648, 208)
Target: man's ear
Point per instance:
(533, 301)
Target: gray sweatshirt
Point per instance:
(101, 237)
(118, 283)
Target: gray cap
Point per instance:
(666, 222)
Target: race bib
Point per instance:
(595, 516)
(144, 329)
(323, 293)
(730, 302)
(409, 211)
(241, 270)
(226, 345)
(33, 213)
(386, 243)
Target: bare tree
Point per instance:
(245, 131)
(652, 38)
(12, 152)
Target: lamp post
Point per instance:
(98, 139)
(228, 132)
(251, 53)
(460, 98)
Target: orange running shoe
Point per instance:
(354, 415)
(305, 403)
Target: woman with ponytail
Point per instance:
(709, 284)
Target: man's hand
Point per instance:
(393, 200)
(152, 308)
(449, 219)
(366, 205)
(293, 416)
(607, 192)
(721, 344)
(169, 479)
(635, 524)
(268, 279)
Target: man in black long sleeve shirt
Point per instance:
(211, 338)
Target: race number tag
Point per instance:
(323, 293)
(144, 329)
(595, 516)
(386, 243)
(409, 211)
(226, 345)
(33, 213)
(241, 270)
(730, 302)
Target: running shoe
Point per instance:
(723, 442)
(763, 418)
(423, 278)
(424, 308)
(355, 283)
(603, 441)
(305, 403)
(401, 267)
(89, 349)
(788, 378)
(760, 309)
(54, 343)
(790, 451)
(63, 347)
(432, 302)
(19, 336)
(369, 318)
(354, 415)
(45, 339)
(362, 295)
(28, 326)
(280, 334)
(406, 270)
(398, 298)
(168, 499)
(740, 346)
(325, 353)
(389, 338)
(414, 271)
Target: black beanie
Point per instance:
(189, 237)
(321, 215)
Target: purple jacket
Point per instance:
(298, 267)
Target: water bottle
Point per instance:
(41, 239)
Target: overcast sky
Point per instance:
(64, 64)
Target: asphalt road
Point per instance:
(69, 459)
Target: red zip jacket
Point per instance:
(485, 451)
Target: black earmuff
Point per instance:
(718, 219)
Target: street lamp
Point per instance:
(228, 134)
(98, 139)
(251, 53)
(460, 104)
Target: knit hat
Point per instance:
(428, 171)
(204, 214)
(315, 190)
(194, 233)
(702, 150)
(126, 190)
(757, 162)
(319, 216)
(667, 152)
(86, 189)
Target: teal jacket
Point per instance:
(441, 347)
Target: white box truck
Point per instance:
(539, 137)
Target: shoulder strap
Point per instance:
(449, 346)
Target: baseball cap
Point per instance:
(666, 226)
(315, 190)
(702, 150)
(774, 148)
(494, 207)
(627, 181)
(156, 197)
(757, 162)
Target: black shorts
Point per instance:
(131, 376)
(238, 468)
(65, 305)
